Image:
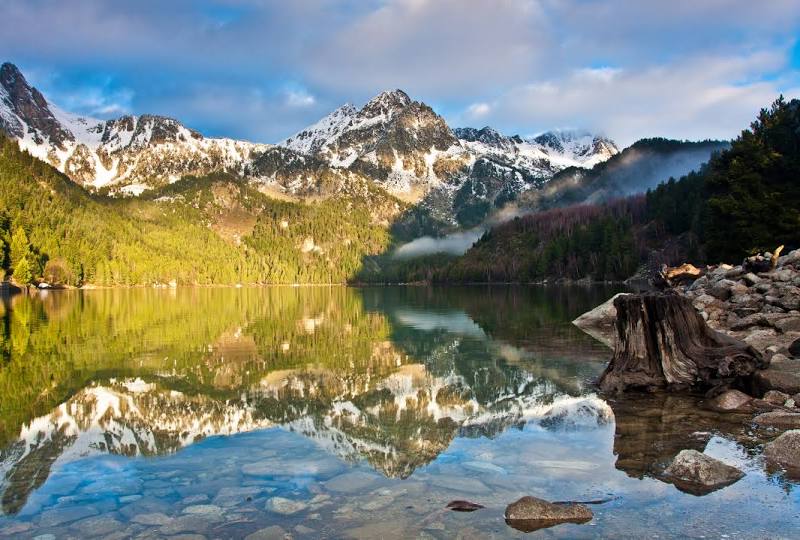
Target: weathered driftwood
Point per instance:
(662, 342)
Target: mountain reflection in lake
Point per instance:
(337, 412)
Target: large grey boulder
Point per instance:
(696, 473)
(530, 514)
(599, 322)
(785, 452)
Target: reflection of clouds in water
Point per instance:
(456, 322)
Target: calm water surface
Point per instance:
(344, 413)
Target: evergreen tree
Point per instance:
(20, 247)
(22, 271)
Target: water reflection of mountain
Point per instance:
(391, 381)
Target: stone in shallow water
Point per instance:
(282, 505)
(785, 452)
(154, 518)
(97, 526)
(189, 523)
(779, 419)
(194, 499)
(232, 496)
(696, 473)
(208, 510)
(269, 533)
(731, 401)
(57, 516)
(530, 513)
(351, 482)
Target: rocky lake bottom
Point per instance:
(348, 413)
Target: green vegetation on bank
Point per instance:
(213, 230)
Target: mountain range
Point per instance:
(392, 142)
(334, 202)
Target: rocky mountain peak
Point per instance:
(486, 135)
(387, 101)
(23, 105)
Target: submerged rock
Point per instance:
(779, 419)
(696, 473)
(530, 514)
(464, 506)
(599, 322)
(284, 506)
(273, 532)
(785, 452)
(731, 401)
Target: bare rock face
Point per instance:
(779, 419)
(599, 322)
(696, 473)
(731, 401)
(530, 513)
(785, 452)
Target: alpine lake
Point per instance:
(336, 412)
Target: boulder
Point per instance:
(282, 505)
(599, 322)
(790, 258)
(530, 513)
(779, 419)
(731, 401)
(790, 323)
(696, 473)
(782, 374)
(750, 279)
(722, 289)
(794, 348)
(776, 397)
(785, 452)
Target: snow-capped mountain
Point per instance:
(403, 145)
(456, 177)
(130, 152)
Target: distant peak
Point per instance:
(10, 68)
(391, 98)
(10, 75)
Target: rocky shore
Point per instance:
(758, 303)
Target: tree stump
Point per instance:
(662, 342)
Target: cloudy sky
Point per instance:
(263, 69)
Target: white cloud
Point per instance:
(478, 110)
(299, 99)
(701, 97)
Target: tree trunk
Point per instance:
(662, 342)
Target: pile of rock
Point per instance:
(762, 309)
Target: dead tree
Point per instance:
(664, 343)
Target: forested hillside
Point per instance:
(747, 199)
(212, 230)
